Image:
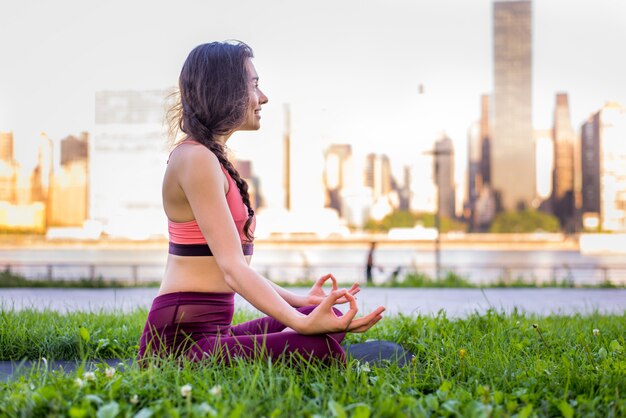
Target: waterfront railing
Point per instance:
(474, 273)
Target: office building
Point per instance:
(444, 177)
(603, 161)
(75, 148)
(6, 147)
(337, 167)
(512, 153)
(42, 175)
(378, 175)
(479, 168)
(563, 192)
(69, 198)
(244, 168)
(128, 157)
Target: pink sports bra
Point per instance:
(186, 238)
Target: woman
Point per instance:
(211, 226)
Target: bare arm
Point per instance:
(291, 298)
(201, 179)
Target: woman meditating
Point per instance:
(211, 227)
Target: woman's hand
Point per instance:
(317, 294)
(323, 320)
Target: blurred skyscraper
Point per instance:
(603, 158)
(244, 167)
(7, 168)
(444, 176)
(378, 178)
(287, 157)
(564, 165)
(42, 175)
(512, 151)
(69, 197)
(6, 147)
(128, 160)
(378, 174)
(478, 172)
(17, 211)
(75, 148)
(337, 158)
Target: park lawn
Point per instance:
(493, 364)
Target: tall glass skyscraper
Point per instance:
(512, 148)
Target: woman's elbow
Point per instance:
(233, 275)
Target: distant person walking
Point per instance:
(370, 263)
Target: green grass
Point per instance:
(493, 364)
(9, 279)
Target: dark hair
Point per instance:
(213, 100)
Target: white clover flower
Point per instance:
(216, 390)
(91, 376)
(79, 382)
(363, 367)
(185, 391)
(109, 372)
(596, 331)
(134, 400)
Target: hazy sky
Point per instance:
(350, 70)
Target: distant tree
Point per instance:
(525, 221)
(396, 219)
(406, 219)
(446, 224)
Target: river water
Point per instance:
(143, 263)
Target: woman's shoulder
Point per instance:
(190, 151)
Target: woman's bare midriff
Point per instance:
(193, 274)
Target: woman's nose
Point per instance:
(263, 98)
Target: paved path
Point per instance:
(455, 302)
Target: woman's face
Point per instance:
(252, 121)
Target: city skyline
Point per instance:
(78, 194)
(357, 86)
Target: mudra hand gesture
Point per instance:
(317, 294)
(324, 318)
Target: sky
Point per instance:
(349, 69)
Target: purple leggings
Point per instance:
(198, 324)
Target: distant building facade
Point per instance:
(378, 174)
(42, 175)
(69, 196)
(379, 179)
(479, 216)
(128, 159)
(17, 212)
(444, 177)
(512, 154)
(8, 170)
(337, 164)
(603, 161)
(75, 148)
(6, 147)
(244, 167)
(563, 175)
